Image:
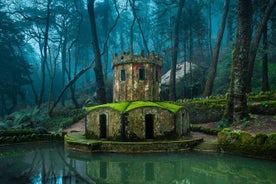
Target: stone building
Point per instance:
(137, 113)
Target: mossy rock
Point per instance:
(246, 138)
(223, 137)
(234, 137)
(260, 139)
(271, 141)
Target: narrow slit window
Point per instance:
(141, 74)
(123, 75)
(157, 76)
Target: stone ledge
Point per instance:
(79, 143)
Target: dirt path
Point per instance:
(76, 127)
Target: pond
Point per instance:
(51, 163)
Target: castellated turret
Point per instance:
(136, 77)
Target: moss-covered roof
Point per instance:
(121, 106)
(128, 106)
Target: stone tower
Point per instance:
(136, 77)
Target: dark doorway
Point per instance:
(102, 126)
(149, 119)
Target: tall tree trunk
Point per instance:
(100, 85)
(43, 64)
(255, 44)
(175, 51)
(213, 68)
(265, 82)
(240, 61)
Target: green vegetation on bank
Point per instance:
(27, 135)
(243, 143)
(211, 109)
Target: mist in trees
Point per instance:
(58, 53)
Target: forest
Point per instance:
(57, 53)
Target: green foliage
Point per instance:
(62, 119)
(245, 122)
(223, 123)
(18, 136)
(19, 132)
(13, 68)
(272, 75)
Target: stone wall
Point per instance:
(112, 121)
(182, 122)
(163, 123)
(132, 125)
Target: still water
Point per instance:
(51, 163)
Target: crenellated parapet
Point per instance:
(129, 57)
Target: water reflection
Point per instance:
(51, 164)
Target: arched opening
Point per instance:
(149, 121)
(103, 126)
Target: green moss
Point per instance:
(260, 138)
(204, 130)
(172, 107)
(223, 137)
(246, 138)
(271, 141)
(128, 106)
(138, 104)
(117, 106)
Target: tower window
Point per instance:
(123, 75)
(141, 74)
